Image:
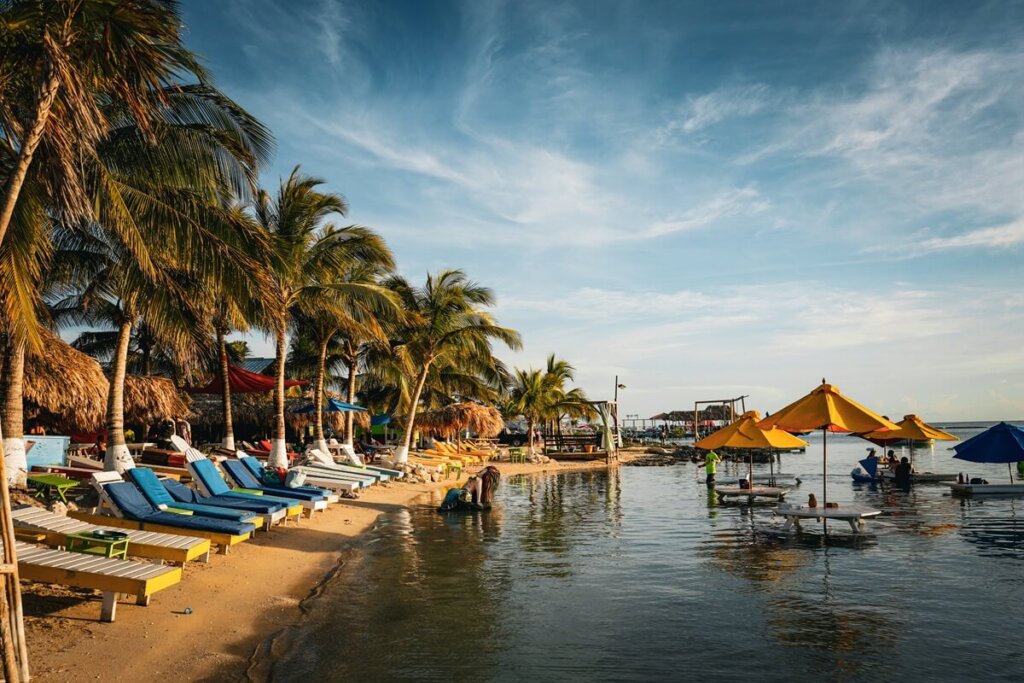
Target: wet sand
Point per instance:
(238, 601)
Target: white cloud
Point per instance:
(735, 202)
(1007, 235)
(730, 102)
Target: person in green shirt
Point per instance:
(711, 461)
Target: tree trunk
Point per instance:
(402, 455)
(278, 449)
(529, 429)
(12, 626)
(117, 457)
(12, 384)
(318, 397)
(147, 359)
(28, 148)
(350, 417)
(225, 394)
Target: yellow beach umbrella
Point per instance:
(825, 408)
(745, 433)
(910, 428)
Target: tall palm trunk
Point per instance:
(350, 417)
(318, 397)
(225, 393)
(11, 387)
(117, 457)
(529, 429)
(28, 148)
(13, 650)
(402, 455)
(278, 449)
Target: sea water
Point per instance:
(639, 574)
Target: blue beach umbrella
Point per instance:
(1000, 443)
(382, 419)
(333, 406)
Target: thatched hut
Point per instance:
(482, 420)
(64, 389)
(152, 398)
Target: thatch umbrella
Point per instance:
(64, 387)
(152, 398)
(483, 420)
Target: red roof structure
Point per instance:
(243, 382)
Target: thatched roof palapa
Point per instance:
(482, 420)
(152, 398)
(64, 387)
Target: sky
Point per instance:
(706, 200)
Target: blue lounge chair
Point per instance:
(146, 481)
(241, 475)
(317, 482)
(132, 510)
(269, 511)
(212, 483)
(342, 484)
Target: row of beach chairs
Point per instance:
(165, 521)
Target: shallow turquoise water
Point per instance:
(638, 575)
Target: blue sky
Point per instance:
(706, 199)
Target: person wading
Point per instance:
(711, 461)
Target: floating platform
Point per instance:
(753, 493)
(986, 489)
(851, 513)
(919, 477)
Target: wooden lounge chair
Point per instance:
(171, 548)
(83, 570)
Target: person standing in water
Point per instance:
(903, 471)
(711, 461)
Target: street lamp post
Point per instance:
(618, 434)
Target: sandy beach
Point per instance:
(238, 601)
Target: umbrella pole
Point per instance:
(824, 476)
(771, 467)
(824, 466)
(1010, 470)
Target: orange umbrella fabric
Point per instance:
(910, 428)
(745, 433)
(826, 408)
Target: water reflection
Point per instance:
(994, 527)
(640, 575)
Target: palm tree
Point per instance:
(60, 65)
(445, 320)
(92, 89)
(163, 229)
(307, 262)
(541, 396)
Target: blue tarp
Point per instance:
(382, 419)
(333, 406)
(1000, 443)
